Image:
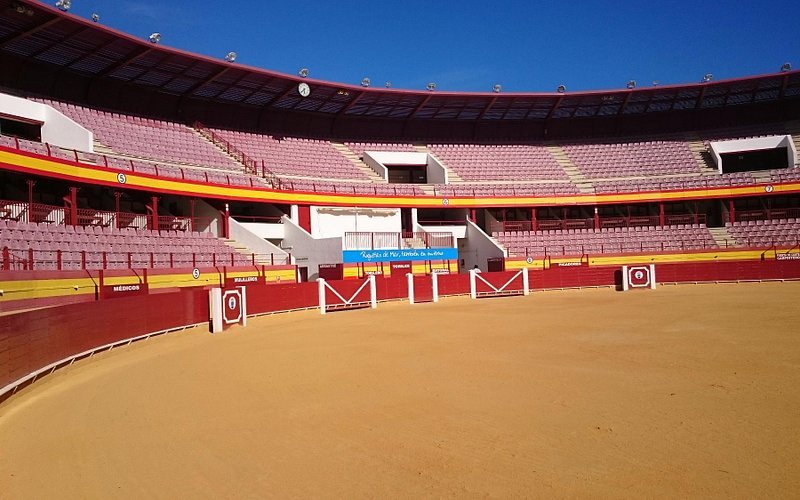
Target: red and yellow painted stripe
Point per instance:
(29, 163)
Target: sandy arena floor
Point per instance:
(690, 391)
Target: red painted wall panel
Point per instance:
(423, 288)
(34, 339)
(453, 284)
(394, 287)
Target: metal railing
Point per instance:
(251, 166)
(589, 222)
(28, 259)
(51, 215)
(353, 240)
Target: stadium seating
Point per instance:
(360, 147)
(765, 233)
(480, 162)
(37, 246)
(474, 189)
(212, 176)
(656, 183)
(365, 188)
(294, 156)
(609, 240)
(145, 138)
(600, 161)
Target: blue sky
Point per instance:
(470, 45)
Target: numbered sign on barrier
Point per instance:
(228, 307)
(639, 277)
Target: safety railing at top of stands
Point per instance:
(252, 166)
(263, 219)
(365, 240)
(134, 165)
(605, 222)
(365, 188)
(767, 214)
(30, 259)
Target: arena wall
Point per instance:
(37, 340)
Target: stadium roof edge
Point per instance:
(58, 43)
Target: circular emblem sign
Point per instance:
(195, 273)
(121, 178)
(768, 188)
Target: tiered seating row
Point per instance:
(365, 188)
(146, 138)
(612, 240)
(360, 147)
(54, 247)
(632, 159)
(476, 162)
(549, 189)
(765, 233)
(293, 156)
(139, 166)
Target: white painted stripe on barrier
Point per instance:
(369, 282)
(410, 281)
(474, 277)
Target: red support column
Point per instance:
(117, 196)
(596, 218)
(661, 216)
(191, 214)
(731, 211)
(30, 183)
(7, 259)
(71, 206)
(152, 210)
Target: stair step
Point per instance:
(353, 157)
(583, 184)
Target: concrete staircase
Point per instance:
(702, 156)
(576, 176)
(248, 252)
(722, 237)
(350, 155)
(451, 176)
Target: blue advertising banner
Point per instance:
(412, 254)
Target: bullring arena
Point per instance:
(220, 280)
(682, 391)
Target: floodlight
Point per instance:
(431, 86)
(230, 57)
(96, 17)
(155, 38)
(631, 84)
(561, 89)
(365, 82)
(655, 83)
(303, 72)
(497, 88)
(707, 77)
(786, 67)
(64, 5)
(388, 85)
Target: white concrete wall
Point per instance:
(253, 241)
(477, 247)
(264, 230)
(308, 251)
(377, 167)
(398, 158)
(753, 144)
(330, 222)
(57, 129)
(437, 174)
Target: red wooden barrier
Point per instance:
(30, 341)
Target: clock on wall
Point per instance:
(304, 89)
